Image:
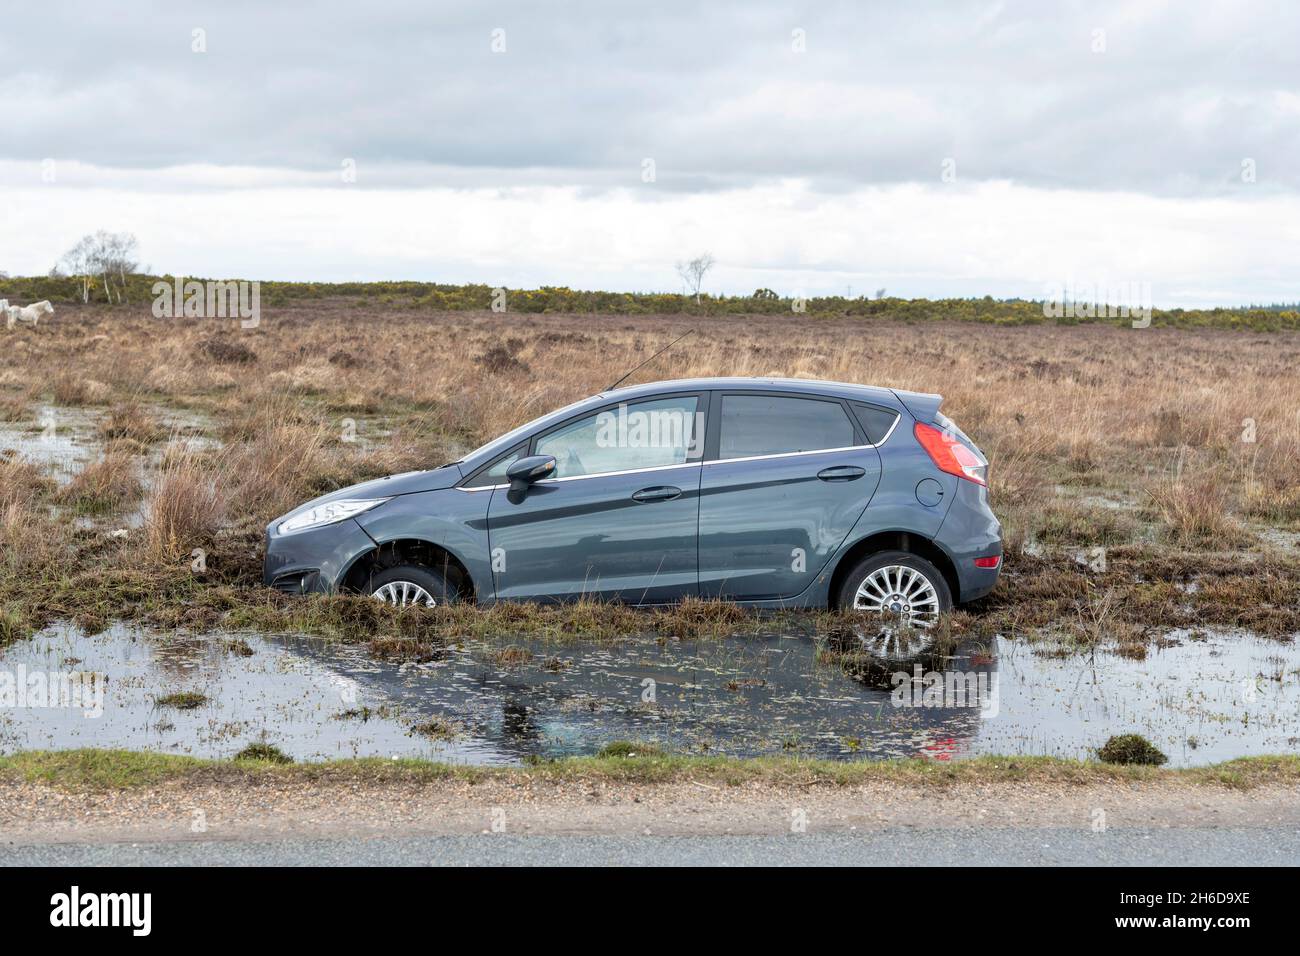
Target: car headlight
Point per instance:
(328, 514)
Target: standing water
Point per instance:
(1201, 698)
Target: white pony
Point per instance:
(30, 314)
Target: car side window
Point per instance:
(875, 421)
(495, 474)
(776, 425)
(635, 435)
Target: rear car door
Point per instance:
(620, 518)
(786, 478)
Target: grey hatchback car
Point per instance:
(772, 493)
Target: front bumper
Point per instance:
(313, 561)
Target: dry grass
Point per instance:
(130, 422)
(22, 482)
(26, 541)
(106, 485)
(1189, 435)
(15, 408)
(1195, 503)
(278, 468)
(69, 388)
(187, 507)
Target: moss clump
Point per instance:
(268, 753)
(1131, 749)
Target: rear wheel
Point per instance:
(903, 592)
(408, 585)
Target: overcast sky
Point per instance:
(926, 148)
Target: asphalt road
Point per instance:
(1127, 846)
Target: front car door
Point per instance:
(619, 520)
(788, 476)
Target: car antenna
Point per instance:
(650, 359)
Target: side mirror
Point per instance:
(527, 470)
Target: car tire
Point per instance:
(412, 584)
(921, 582)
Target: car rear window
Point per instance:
(775, 425)
(875, 421)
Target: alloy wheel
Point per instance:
(907, 604)
(403, 594)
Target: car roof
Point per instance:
(811, 386)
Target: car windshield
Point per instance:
(503, 442)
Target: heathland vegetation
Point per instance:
(1145, 477)
(443, 297)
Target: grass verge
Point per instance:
(91, 769)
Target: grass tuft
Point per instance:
(1131, 749)
(183, 700)
(264, 753)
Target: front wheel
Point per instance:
(408, 585)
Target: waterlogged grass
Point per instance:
(183, 700)
(1140, 594)
(14, 626)
(626, 762)
(1095, 453)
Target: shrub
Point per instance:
(223, 351)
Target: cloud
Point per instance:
(996, 238)
(717, 95)
(804, 146)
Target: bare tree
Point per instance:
(119, 258)
(79, 261)
(105, 256)
(693, 273)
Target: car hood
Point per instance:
(407, 483)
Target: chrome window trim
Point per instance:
(712, 461)
(813, 451)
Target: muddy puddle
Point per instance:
(1201, 698)
(65, 440)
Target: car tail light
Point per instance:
(990, 562)
(950, 455)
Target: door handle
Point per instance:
(657, 493)
(841, 473)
